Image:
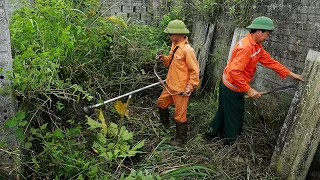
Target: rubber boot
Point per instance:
(164, 117)
(181, 134)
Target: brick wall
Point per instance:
(136, 11)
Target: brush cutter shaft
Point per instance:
(161, 82)
(124, 95)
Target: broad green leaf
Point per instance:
(30, 138)
(48, 135)
(19, 133)
(23, 86)
(101, 138)
(80, 177)
(11, 122)
(33, 131)
(125, 134)
(103, 154)
(23, 123)
(124, 147)
(58, 133)
(44, 126)
(109, 156)
(138, 146)
(133, 173)
(116, 152)
(20, 115)
(33, 85)
(111, 145)
(122, 177)
(103, 122)
(93, 124)
(140, 175)
(105, 178)
(113, 129)
(28, 145)
(129, 153)
(75, 130)
(94, 170)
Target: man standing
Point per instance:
(237, 76)
(182, 78)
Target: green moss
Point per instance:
(278, 166)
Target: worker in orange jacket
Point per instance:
(182, 78)
(237, 76)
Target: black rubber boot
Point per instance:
(164, 117)
(181, 134)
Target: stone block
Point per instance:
(313, 17)
(306, 2)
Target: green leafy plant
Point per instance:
(240, 11)
(65, 55)
(140, 175)
(207, 8)
(112, 142)
(198, 171)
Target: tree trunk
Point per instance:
(300, 134)
(8, 160)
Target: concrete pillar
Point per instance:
(238, 34)
(300, 135)
(202, 35)
(7, 159)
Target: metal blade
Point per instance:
(282, 89)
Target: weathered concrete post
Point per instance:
(7, 159)
(238, 34)
(300, 135)
(202, 35)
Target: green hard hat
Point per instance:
(176, 27)
(262, 22)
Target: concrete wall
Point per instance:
(6, 105)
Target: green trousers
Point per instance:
(228, 121)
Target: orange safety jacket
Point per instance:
(183, 69)
(242, 65)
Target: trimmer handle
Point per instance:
(261, 93)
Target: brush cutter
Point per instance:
(283, 88)
(161, 82)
